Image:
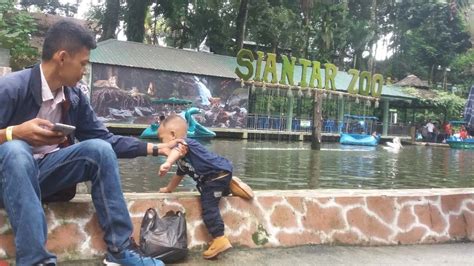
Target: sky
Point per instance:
(84, 6)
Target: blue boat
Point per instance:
(359, 139)
(455, 141)
(458, 143)
(357, 130)
(195, 130)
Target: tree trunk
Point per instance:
(470, 18)
(306, 43)
(111, 19)
(430, 80)
(306, 6)
(275, 47)
(373, 41)
(183, 38)
(359, 62)
(154, 40)
(317, 119)
(135, 19)
(241, 25)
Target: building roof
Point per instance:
(132, 54)
(412, 81)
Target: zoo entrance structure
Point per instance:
(139, 73)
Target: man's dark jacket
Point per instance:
(20, 101)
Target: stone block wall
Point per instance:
(277, 218)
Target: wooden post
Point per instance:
(316, 130)
(289, 117)
(413, 134)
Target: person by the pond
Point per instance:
(212, 173)
(448, 129)
(430, 128)
(463, 134)
(39, 164)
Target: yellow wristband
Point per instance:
(9, 133)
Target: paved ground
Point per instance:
(445, 254)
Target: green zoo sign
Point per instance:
(362, 83)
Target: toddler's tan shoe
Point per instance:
(218, 245)
(240, 189)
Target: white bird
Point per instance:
(395, 145)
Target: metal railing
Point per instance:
(279, 123)
(395, 129)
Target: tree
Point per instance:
(175, 15)
(329, 29)
(53, 7)
(273, 25)
(16, 28)
(188, 23)
(135, 19)
(465, 9)
(425, 37)
(449, 105)
(462, 70)
(306, 8)
(221, 28)
(110, 19)
(241, 23)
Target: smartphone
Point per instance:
(65, 129)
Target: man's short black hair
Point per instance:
(66, 35)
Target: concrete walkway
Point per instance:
(440, 254)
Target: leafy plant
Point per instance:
(447, 105)
(462, 70)
(16, 28)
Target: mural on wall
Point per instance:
(141, 96)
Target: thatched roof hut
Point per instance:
(413, 81)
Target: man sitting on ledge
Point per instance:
(39, 163)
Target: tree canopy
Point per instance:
(419, 36)
(16, 27)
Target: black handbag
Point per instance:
(164, 238)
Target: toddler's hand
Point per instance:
(164, 168)
(172, 143)
(165, 190)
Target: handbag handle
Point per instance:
(149, 219)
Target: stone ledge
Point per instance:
(278, 218)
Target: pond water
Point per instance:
(293, 165)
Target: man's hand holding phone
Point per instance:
(38, 132)
(65, 129)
